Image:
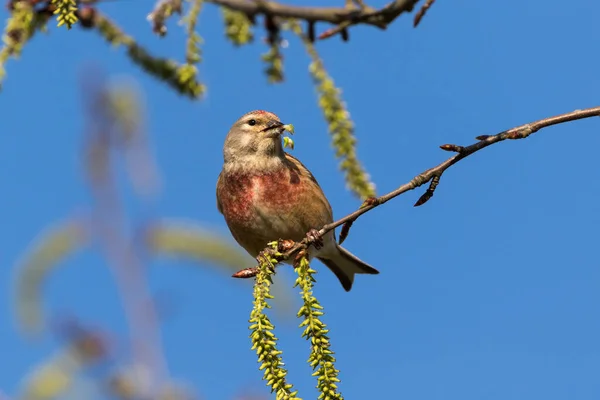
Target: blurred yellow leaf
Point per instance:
(189, 240)
(186, 239)
(123, 387)
(125, 107)
(53, 377)
(61, 372)
(47, 383)
(131, 383)
(51, 247)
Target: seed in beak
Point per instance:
(288, 142)
(289, 128)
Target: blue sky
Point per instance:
(489, 291)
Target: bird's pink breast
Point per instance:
(244, 195)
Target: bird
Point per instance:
(266, 194)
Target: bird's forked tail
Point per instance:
(345, 265)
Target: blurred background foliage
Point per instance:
(114, 134)
(115, 143)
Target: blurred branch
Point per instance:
(38, 262)
(126, 116)
(56, 375)
(109, 131)
(114, 127)
(433, 175)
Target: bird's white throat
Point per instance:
(254, 163)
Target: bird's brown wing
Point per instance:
(219, 182)
(298, 167)
(296, 164)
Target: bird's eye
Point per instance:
(252, 122)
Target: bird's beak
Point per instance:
(274, 127)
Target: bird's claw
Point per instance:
(315, 238)
(266, 255)
(284, 245)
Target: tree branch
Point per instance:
(342, 16)
(287, 248)
(421, 13)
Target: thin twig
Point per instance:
(421, 13)
(434, 174)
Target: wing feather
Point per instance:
(219, 183)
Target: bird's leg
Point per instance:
(315, 238)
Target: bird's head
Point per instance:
(257, 133)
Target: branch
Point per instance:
(421, 13)
(341, 16)
(432, 175)
(182, 78)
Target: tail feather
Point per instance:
(345, 265)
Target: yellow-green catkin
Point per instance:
(19, 28)
(321, 358)
(179, 77)
(238, 27)
(193, 53)
(65, 12)
(262, 336)
(338, 119)
(274, 60)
